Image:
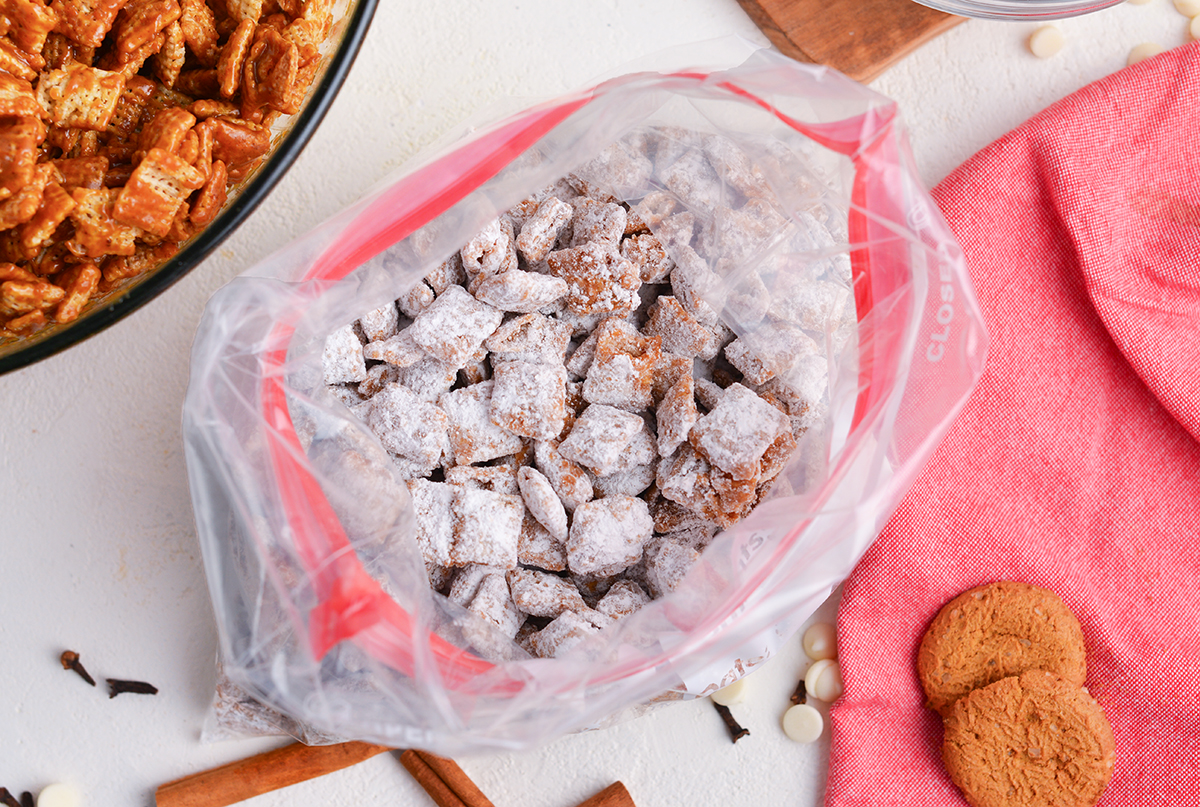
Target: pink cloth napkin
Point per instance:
(1076, 463)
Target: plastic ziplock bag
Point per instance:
(322, 598)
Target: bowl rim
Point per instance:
(1019, 10)
(302, 126)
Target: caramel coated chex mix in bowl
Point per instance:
(124, 126)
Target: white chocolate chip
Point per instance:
(823, 680)
(1194, 28)
(1142, 52)
(1188, 8)
(59, 795)
(820, 641)
(734, 693)
(1046, 41)
(803, 723)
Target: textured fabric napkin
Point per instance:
(1076, 463)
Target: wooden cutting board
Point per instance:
(861, 38)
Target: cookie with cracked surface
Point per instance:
(995, 631)
(1032, 740)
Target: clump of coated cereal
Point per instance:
(574, 416)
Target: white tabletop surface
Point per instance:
(96, 529)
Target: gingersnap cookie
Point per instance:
(1032, 740)
(996, 631)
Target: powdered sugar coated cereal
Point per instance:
(538, 549)
(454, 326)
(532, 338)
(607, 535)
(668, 560)
(415, 300)
(648, 255)
(427, 377)
(769, 350)
(624, 598)
(599, 436)
(599, 280)
(466, 581)
(631, 481)
(597, 222)
(473, 436)
(543, 594)
(399, 350)
(642, 449)
(529, 399)
(568, 479)
(434, 524)
(487, 528)
(496, 478)
(493, 602)
(520, 291)
(677, 414)
(381, 323)
(492, 252)
(683, 478)
(541, 230)
(735, 434)
(621, 373)
(343, 357)
(585, 362)
(542, 502)
(562, 634)
(693, 180)
(620, 169)
(408, 426)
(680, 333)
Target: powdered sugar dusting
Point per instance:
(567, 399)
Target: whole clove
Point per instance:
(116, 686)
(800, 695)
(70, 661)
(736, 731)
(27, 799)
(7, 799)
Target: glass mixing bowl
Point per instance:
(352, 19)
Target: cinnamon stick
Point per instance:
(615, 795)
(262, 773)
(446, 783)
